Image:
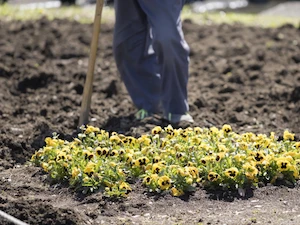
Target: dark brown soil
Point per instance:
(248, 77)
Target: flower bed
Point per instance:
(172, 160)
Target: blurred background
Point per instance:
(289, 8)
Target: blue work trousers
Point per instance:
(151, 54)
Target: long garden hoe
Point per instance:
(88, 86)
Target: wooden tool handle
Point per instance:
(88, 87)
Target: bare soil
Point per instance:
(248, 77)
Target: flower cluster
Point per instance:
(168, 159)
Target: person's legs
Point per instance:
(172, 52)
(134, 56)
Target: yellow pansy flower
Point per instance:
(219, 156)
(112, 164)
(154, 177)
(189, 180)
(226, 128)
(250, 171)
(156, 159)
(156, 168)
(45, 166)
(223, 148)
(204, 161)
(115, 139)
(144, 140)
(104, 151)
(98, 151)
(231, 172)
(190, 164)
(114, 153)
(243, 145)
(125, 187)
(212, 176)
(185, 135)
(121, 172)
(196, 140)
(297, 161)
(283, 164)
(259, 156)
(288, 136)
(86, 179)
(182, 172)
(198, 130)
(75, 172)
(91, 129)
(50, 142)
(89, 168)
(214, 130)
(169, 129)
(142, 161)
(61, 156)
(164, 182)
(295, 171)
(176, 192)
(193, 171)
(272, 136)
(131, 141)
(156, 130)
(128, 158)
(147, 180)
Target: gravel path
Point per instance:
(289, 9)
(272, 7)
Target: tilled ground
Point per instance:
(248, 77)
